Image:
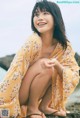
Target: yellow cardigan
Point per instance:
(29, 53)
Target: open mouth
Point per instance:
(41, 24)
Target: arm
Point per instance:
(67, 68)
(19, 66)
(70, 72)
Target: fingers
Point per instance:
(46, 65)
(49, 63)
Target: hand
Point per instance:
(59, 67)
(49, 63)
(54, 62)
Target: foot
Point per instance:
(36, 115)
(61, 113)
(47, 110)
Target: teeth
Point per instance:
(41, 24)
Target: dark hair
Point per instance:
(59, 28)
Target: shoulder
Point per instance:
(34, 38)
(69, 48)
(69, 43)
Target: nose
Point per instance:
(40, 17)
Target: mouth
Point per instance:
(41, 24)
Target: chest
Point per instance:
(46, 52)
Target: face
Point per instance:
(43, 21)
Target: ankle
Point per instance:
(46, 109)
(32, 110)
(43, 108)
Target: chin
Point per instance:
(42, 31)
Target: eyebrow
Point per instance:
(42, 10)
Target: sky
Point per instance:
(15, 23)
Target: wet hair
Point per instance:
(59, 28)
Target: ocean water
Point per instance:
(2, 74)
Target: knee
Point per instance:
(47, 72)
(44, 70)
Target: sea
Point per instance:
(2, 74)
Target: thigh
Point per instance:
(40, 84)
(32, 72)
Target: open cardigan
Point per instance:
(28, 54)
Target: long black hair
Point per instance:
(59, 28)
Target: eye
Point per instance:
(36, 14)
(45, 13)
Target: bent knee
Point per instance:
(38, 67)
(47, 72)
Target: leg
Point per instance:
(38, 88)
(46, 100)
(33, 71)
(45, 103)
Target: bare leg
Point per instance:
(45, 103)
(33, 71)
(46, 100)
(37, 90)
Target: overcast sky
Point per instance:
(15, 23)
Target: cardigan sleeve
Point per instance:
(70, 72)
(9, 88)
(26, 54)
(19, 67)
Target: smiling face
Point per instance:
(43, 21)
(46, 17)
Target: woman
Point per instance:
(56, 69)
(44, 72)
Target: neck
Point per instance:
(48, 40)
